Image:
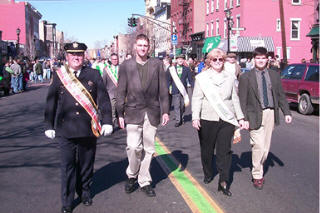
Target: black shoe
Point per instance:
(225, 190)
(177, 124)
(130, 185)
(66, 209)
(148, 190)
(207, 180)
(87, 201)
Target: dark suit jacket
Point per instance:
(133, 101)
(186, 74)
(250, 102)
(64, 114)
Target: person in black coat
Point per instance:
(68, 122)
(185, 76)
(6, 78)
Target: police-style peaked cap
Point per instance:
(75, 47)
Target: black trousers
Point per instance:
(216, 134)
(77, 161)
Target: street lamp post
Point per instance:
(229, 26)
(18, 39)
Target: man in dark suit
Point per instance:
(70, 122)
(141, 103)
(184, 75)
(261, 95)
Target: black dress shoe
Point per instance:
(177, 124)
(148, 190)
(207, 180)
(66, 209)
(87, 201)
(224, 190)
(130, 185)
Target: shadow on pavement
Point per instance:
(245, 162)
(157, 172)
(108, 176)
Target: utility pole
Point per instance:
(283, 33)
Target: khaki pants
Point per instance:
(260, 140)
(140, 149)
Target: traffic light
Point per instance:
(132, 22)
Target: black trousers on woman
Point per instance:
(216, 134)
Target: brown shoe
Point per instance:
(258, 183)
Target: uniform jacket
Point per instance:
(110, 87)
(64, 114)
(201, 107)
(133, 101)
(186, 74)
(250, 102)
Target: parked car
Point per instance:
(301, 85)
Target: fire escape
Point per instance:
(184, 21)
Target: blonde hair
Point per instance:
(214, 53)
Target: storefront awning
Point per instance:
(314, 32)
(210, 43)
(248, 44)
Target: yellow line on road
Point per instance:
(189, 198)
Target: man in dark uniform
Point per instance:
(68, 119)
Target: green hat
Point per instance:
(75, 47)
(181, 56)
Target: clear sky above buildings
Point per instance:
(91, 21)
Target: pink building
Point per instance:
(22, 15)
(261, 20)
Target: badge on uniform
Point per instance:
(90, 83)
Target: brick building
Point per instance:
(22, 16)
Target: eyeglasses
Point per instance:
(217, 59)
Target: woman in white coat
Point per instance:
(216, 112)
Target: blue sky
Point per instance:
(89, 21)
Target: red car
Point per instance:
(301, 85)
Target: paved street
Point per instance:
(30, 175)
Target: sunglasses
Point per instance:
(217, 59)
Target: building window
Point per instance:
(295, 29)
(207, 7)
(225, 28)
(288, 52)
(231, 4)
(217, 5)
(207, 30)
(211, 28)
(217, 27)
(238, 3)
(225, 4)
(212, 6)
(296, 2)
(279, 51)
(238, 21)
(278, 26)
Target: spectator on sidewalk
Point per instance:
(38, 70)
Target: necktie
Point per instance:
(75, 73)
(265, 90)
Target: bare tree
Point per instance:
(69, 38)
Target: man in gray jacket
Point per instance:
(142, 101)
(110, 79)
